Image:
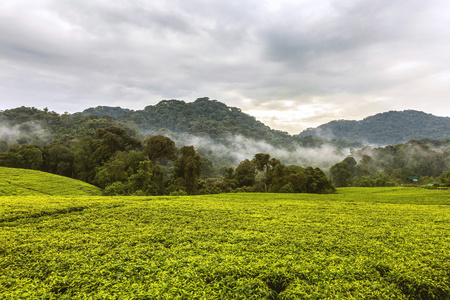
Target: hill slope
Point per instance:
(391, 127)
(203, 117)
(30, 182)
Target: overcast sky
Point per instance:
(290, 63)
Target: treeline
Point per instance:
(29, 125)
(123, 165)
(78, 146)
(425, 162)
(204, 119)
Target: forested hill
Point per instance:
(387, 128)
(203, 117)
(177, 119)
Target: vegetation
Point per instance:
(113, 153)
(388, 128)
(105, 111)
(415, 162)
(379, 243)
(118, 163)
(202, 118)
(22, 182)
(25, 125)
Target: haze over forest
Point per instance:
(291, 64)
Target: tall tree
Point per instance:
(188, 167)
(160, 147)
(261, 162)
(340, 174)
(59, 158)
(245, 173)
(110, 140)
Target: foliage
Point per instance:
(105, 111)
(40, 127)
(350, 245)
(445, 178)
(203, 117)
(341, 174)
(23, 156)
(188, 168)
(159, 147)
(95, 149)
(266, 174)
(393, 164)
(245, 173)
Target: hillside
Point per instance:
(203, 117)
(30, 182)
(183, 122)
(391, 127)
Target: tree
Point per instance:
(160, 147)
(24, 156)
(59, 158)
(445, 178)
(318, 182)
(296, 178)
(84, 165)
(340, 174)
(351, 163)
(278, 180)
(188, 167)
(110, 140)
(245, 173)
(112, 171)
(142, 179)
(261, 162)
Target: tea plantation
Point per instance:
(361, 243)
(24, 182)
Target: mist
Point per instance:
(236, 148)
(24, 133)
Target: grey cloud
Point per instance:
(69, 55)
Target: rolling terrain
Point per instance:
(22, 182)
(361, 243)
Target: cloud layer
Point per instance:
(292, 64)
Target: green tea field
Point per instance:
(22, 182)
(361, 243)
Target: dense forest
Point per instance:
(393, 127)
(161, 150)
(122, 165)
(424, 162)
(208, 118)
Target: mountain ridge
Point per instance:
(392, 127)
(214, 119)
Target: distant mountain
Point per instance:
(387, 128)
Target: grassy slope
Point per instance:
(382, 243)
(30, 182)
